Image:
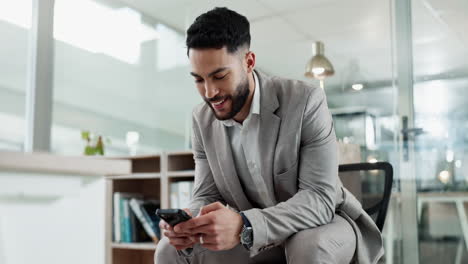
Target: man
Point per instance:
(266, 166)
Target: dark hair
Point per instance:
(218, 28)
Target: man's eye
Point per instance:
(198, 80)
(219, 78)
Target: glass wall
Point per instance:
(120, 74)
(15, 24)
(440, 50)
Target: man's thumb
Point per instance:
(188, 211)
(210, 208)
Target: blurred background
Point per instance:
(120, 71)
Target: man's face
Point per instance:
(221, 80)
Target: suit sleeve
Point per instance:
(205, 190)
(317, 175)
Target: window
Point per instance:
(118, 73)
(15, 23)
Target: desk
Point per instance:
(458, 198)
(47, 199)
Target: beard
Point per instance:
(238, 100)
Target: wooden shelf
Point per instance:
(143, 163)
(136, 176)
(184, 174)
(68, 165)
(180, 153)
(135, 246)
(138, 157)
(180, 161)
(151, 177)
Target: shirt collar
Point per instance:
(254, 108)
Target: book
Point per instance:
(125, 226)
(148, 208)
(184, 194)
(181, 194)
(116, 217)
(174, 196)
(125, 223)
(149, 225)
(133, 224)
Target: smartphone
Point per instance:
(173, 216)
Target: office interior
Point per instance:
(72, 72)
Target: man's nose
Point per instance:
(210, 90)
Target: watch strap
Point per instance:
(245, 220)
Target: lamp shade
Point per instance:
(352, 77)
(318, 67)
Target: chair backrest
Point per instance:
(371, 183)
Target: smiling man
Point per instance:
(226, 89)
(266, 166)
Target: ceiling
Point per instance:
(283, 31)
(355, 32)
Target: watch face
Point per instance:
(247, 237)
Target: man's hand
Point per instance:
(219, 227)
(180, 240)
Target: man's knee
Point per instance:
(165, 252)
(332, 243)
(307, 245)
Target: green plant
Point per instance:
(94, 143)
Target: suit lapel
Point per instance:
(269, 129)
(267, 137)
(227, 167)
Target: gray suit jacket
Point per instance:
(299, 154)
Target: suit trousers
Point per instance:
(332, 243)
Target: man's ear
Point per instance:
(250, 61)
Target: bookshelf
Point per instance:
(151, 177)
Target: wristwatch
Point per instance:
(246, 235)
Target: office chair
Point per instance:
(365, 181)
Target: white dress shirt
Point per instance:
(244, 145)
